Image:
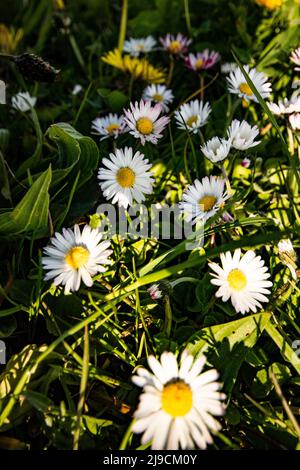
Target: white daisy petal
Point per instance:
(177, 404)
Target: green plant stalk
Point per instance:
(286, 350)
(31, 369)
(187, 16)
(82, 104)
(126, 436)
(77, 52)
(83, 387)
(123, 25)
(168, 315)
(171, 70)
(285, 404)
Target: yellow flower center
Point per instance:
(158, 97)
(177, 399)
(237, 279)
(175, 47)
(191, 121)
(199, 64)
(77, 257)
(244, 88)
(112, 127)
(144, 125)
(207, 202)
(126, 177)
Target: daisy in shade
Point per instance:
(109, 126)
(75, 256)
(135, 47)
(202, 60)
(244, 280)
(159, 94)
(178, 403)
(216, 149)
(295, 58)
(144, 122)
(202, 200)
(193, 115)
(242, 135)
(125, 177)
(228, 67)
(23, 101)
(238, 85)
(175, 45)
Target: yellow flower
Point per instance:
(271, 4)
(137, 68)
(58, 5)
(9, 39)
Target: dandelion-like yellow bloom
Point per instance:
(137, 68)
(271, 4)
(9, 39)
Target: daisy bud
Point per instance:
(288, 256)
(246, 162)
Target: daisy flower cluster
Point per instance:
(182, 403)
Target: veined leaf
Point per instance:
(30, 216)
(229, 344)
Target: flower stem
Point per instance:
(187, 16)
(123, 25)
(168, 315)
(227, 182)
(171, 70)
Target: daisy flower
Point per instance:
(159, 94)
(109, 126)
(126, 177)
(23, 101)
(294, 120)
(295, 58)
(216, 149)
(175, 45)
(139, 69)
(228, 67)
(202, 60)
(238, 85)
(135, 47)
(202, 200)
(242, 279)
(286, 106)
(192, 115)
(178, 403)
(155, 292)
(73, 257)
(280, 108)
(242, 135)
(142, 119)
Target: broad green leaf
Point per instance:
(38, 400)
(30, 216)
(229, 344)
(94, 425)
(76, 153)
